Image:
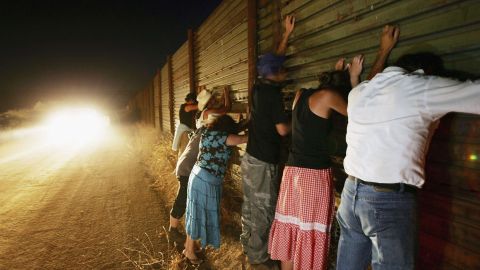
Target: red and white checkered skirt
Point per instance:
(303, 218)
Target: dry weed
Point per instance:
(147, 256)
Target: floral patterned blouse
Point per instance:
(214, 152)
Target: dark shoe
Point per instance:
(192, 261)
(175, 235)
(199, 248)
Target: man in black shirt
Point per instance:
(187, 123)
(268, 122)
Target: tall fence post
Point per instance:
(191, 62)
(159, 84)
(170, 93)
(149, 108)
(152, 102)
(144, 106)
(252, 47)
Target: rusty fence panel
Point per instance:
(328, 30)
(450, 198)
(181, 78)
(151, 95)
(165, 98)
(221, 51)
(156, 99)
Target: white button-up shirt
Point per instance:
(391, 120)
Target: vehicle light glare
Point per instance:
(74, 126)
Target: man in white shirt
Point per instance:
(390, 120)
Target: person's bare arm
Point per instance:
(234, 139)
(387, 41)
(355, 69)
(289, 25)
(336, 102)
(283, 129)
(191, 107)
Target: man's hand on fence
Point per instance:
(389, 38)
(289, 24)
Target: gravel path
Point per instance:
(64, 208)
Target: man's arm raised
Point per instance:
(388, 40)
(289, 25)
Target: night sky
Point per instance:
(88, 50)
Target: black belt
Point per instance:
(397, 187)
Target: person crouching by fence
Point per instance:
(187, 159)
(300, 233)
(186, 124)
(202, 219)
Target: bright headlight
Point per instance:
(75, 125)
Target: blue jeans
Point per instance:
(377, 227)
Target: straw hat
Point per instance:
(203, 97)
(212, 117)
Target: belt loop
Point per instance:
(402, 187)
(355, 180)
(355, 183)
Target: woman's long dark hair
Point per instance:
(224, 123)
(338, 80)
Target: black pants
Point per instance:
(180, 204)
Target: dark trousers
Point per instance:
(178, 209)
(260, 192)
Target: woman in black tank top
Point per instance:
(299, 236)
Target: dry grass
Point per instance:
(147, 256)
(160, 161)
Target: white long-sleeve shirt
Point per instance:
(391, 120)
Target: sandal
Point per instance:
(196, 261)
(198, 248)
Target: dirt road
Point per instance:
(64, 208)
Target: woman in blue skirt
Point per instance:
(202, 219)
